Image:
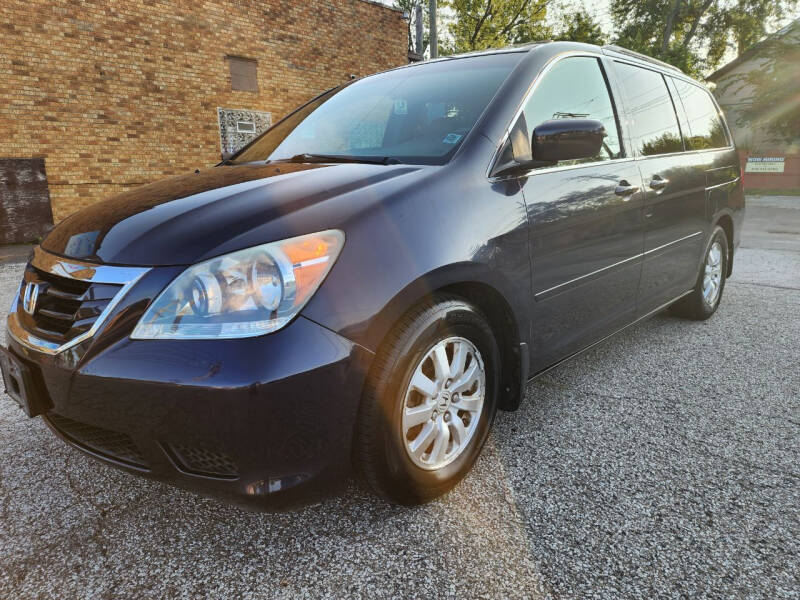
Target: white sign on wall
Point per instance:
(764, 164)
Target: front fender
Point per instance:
(454, 277)
(405, 248)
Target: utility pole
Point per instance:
(434, 43)
(418, 18)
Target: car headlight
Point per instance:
(243, 294)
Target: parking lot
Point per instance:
(662, 463)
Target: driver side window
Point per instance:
(574, 88)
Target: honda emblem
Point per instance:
(30, 297)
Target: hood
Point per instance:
(185, 219)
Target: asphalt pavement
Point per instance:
(662, 463)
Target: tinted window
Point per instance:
(557, 97)
(417, 114)
(705, 126)
(654, 125)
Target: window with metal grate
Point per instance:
(244, 73)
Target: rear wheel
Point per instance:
(707, 293)
(429, 402)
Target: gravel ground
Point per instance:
(663, 463)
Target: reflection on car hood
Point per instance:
(184, 219)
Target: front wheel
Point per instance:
(429, 402)
(707, 292)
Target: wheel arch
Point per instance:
(726, 222)
(490, 295)
(503, 323)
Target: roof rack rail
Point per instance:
(640, 56)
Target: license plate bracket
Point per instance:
(21, 384)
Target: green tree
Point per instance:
(776, 85)
(693, 34)
(580, 26)
(482, 24)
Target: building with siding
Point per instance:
(99, 97)
(770, 154)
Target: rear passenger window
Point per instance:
(654, 124)
(705, 125)
(575, 88)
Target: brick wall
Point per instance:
(116, 94)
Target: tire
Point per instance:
(394, 457)
(698, 305)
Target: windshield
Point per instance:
(417, 115)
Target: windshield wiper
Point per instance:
(343, 158)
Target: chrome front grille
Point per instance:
(65, 308)
(62, 302)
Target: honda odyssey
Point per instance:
(366, 283)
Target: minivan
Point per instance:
(365, 284)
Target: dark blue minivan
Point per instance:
(365, 284)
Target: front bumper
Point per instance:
(265, 421)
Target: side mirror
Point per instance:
(567, 139)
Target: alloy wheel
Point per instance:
(712, 278)
(443, 403)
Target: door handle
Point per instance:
(659, 183)
(625, 189)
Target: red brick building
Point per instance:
(99, 97)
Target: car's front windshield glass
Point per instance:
(417, 115)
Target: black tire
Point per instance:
(380, 453)
(694, 306)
